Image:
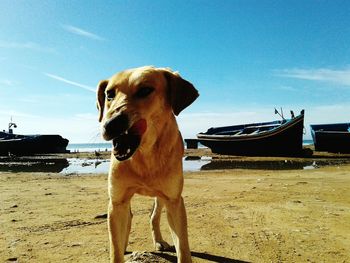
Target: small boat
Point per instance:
(17, 144)
(333, 137)
(275, 138)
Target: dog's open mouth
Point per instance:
(125, 144)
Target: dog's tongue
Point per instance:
(139, 127)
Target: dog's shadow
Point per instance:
(171, 257)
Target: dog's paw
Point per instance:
(162, 246)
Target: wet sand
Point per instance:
(234, 215)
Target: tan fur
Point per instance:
(155, 169)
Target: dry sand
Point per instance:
(234, 216)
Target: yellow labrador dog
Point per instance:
(137, 108)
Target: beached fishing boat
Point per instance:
(333, 137)
(17, 144)
(275, 138)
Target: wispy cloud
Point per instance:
(205, 120)
(8, 83)
(14, 113)
(86, 116)
(81, 32)
(25, 45)
(339, 77)
(287, 88)
(73, 83)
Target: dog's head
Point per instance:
(134, 100)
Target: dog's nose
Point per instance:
(115, 126)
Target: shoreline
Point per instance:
(193, 160)
(309, 153)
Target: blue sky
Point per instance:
(245, 58)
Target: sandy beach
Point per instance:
(234, 215)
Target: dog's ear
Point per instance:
(101, 87)
(181, 93)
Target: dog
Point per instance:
(137, 109)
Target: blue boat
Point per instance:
(333, 137)
(275, 138)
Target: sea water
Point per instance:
(88, 166)
(89, 147)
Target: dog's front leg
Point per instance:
(118, 224)
(158, 240)
(178, 223)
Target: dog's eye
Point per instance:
(144, 92)
(110, 94)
